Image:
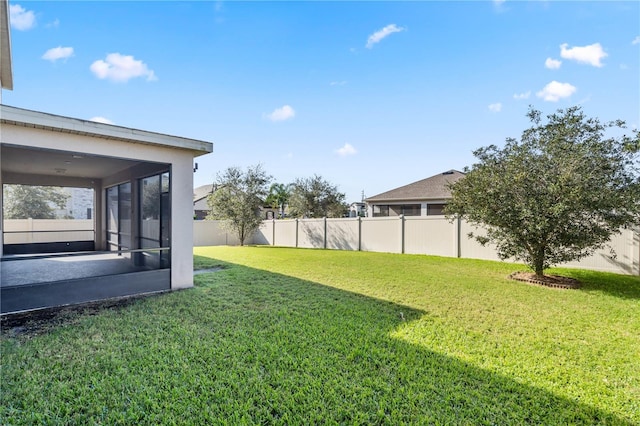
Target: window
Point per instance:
(397, 210)
(119, 217)
(155, 218)
(435, 209)
(379, 211)
(411, 210)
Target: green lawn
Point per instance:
(291, 336)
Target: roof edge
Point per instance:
(380, 196)
(395, 200)
(6, 69)
(29, 118)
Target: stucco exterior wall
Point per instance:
(180, 161)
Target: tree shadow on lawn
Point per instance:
(343, 339)
(251, 346)
(622, 286)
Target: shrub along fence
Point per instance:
(412, 235)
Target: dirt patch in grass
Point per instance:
(41, 321)
(553, 281)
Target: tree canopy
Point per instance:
(315, 197)
(238, 198)
(35, 202)
(557, 194)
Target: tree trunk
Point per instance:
(538, 261)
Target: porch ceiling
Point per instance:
(59, 163)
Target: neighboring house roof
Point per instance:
(202, 192)
(56, 123)
(200, 195)
(434, 187)
(6, 75)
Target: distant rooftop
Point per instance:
(202, 192)
(434, 187)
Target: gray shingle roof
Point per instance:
(201, 192)
(434, 187)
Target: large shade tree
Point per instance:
(315, 197)
(237, 199)
(35, 202)
(556, 195)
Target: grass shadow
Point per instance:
(203, 262)
(248, 346)
(622, 286)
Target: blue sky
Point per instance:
(369, 95)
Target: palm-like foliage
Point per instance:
(278, 197)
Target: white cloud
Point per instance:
(591, 54)
(555, 91)
(497, 107)
(21, 18)
(54, 24)
(523, 95)
(498, 4)
(636, 40)
(282, 114)
(584, 100)
(289, 155)
(346, 150)
(101, 120)
(552, 64)
(58, 53)
(381, 34)
(121, 68)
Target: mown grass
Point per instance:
(286, 336)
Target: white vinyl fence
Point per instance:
(413, 235)
(27, 231)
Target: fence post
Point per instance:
(297, 224)
(456, 235)
(359, 233)
(401, 233)
(273, 232)
(635, 259)
(325, 233)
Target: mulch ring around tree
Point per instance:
(553, 281)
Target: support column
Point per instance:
(181, 188)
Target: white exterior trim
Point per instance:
(56, 123)
(6, 75)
